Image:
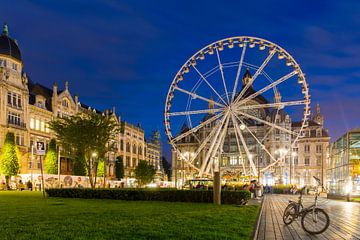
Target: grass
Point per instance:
(357, 199)
(27, 215)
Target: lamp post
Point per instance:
(292, 167)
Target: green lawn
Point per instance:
(27, 215)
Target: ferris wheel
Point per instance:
(237, 98)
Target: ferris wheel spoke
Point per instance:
(207, 82)
(205, 141)
(270, 165)
(256, 139)
(258, 71)
(218, 149)
(238, 72)
(268, 123)
(181, 155)
(194, 96)
(194, 129)
(243, 142)
(273, 84)
(213, 143)
(222, 74)
(239, 149)
(194, 112)
(272, 105)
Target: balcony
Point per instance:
(16, 124)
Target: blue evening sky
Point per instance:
(125, 53)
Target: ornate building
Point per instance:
(27, 108)
(307, 158)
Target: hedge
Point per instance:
(169, 195)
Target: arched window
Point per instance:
(65, 102)
(134, 148)
(128, 147)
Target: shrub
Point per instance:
(169, 195)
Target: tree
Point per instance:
(100, 169)
(51, 158)
(144, 173)
(167, 167)
(9, 160)
(119, 167)
(85, 135)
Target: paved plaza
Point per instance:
(344, 219)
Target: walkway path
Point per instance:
(344, 219)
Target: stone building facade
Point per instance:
(26, 108)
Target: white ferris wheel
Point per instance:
(236, 97)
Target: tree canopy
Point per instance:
(51, 158)
(9, 160)
(85, 135)
(144, 173)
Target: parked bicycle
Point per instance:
(314, 220)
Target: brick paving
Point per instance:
(344, 219)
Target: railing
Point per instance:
(16, 124)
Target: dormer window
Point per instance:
(40, 104)
(65, 103)
(14, 66)
(3, 63)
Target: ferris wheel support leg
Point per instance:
(217, 188)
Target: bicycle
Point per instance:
(314, 220)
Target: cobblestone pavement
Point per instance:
(344, 219)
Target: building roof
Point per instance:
(38, 89)
(9, 46)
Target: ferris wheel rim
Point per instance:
(236, 40)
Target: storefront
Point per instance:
(344, 165)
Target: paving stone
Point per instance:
(344, 219)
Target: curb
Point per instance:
(258, 219)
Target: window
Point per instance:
(14, 66)
(140, 150)
(14, 118)
(19, 101)
(307, 148)
(233, 160)
(32, 123)
(318, 132)
(9, 98)
(134, 148)
(307, 161)
(3, 63)
(318, 148)
(127, 147)
(296, 161)
(65, 103)
(47, 129)
(127, 161)
(40, 104)
(318, 160)
(121, 145)
(37, 124)
(42, 124)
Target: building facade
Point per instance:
(344, 165)
(26, 108)
(300, 162)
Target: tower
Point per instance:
(247, 77)
(318, 117)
